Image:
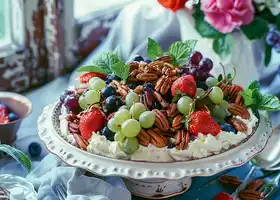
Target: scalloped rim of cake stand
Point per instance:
(105, 166)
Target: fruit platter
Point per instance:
(157, 121)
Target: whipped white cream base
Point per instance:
(202, 146)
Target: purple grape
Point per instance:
(72, 104)
(199, 74)
(195, 58)
(65, 94)
(277, 47)
(206, 64)
(272, 38)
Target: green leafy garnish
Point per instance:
(91, 69)
(220, 77)
(121, 70)
(254, 99)
(17, 155)
(154, 50)
(229, 76)
(180, 51)
(256, 29)
(106, 61)
(223, 45)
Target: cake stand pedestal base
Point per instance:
(158, 188)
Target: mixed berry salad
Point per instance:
(7, 115)
(162, 109)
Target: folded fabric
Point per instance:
(52, 172)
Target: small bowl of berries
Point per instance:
(13, 109)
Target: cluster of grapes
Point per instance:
(273, 39)
(127, 123)
(70, 99)
(199, 67)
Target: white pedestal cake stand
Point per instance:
(146, 179)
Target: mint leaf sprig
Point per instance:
(254, 99)
(108, 63)
(179, 51)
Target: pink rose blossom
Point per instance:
(226, 15)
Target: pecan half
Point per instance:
(157, 139)
(160, 99)
(161, 121)
(250, 194)
(133, 66)
(143, 138)
(81, 142)
(238, 124)
(132, 79)
(256, 184)
(172, 110)
(165, 86)
(157, 63)
(171, 72)
(147, 77)
(166, 59)
(239, 100)
(230, 181)
(159, 83)
(177, 122)
(74, 127)
(182, 139)
(134, 72)
(174, 78)
(237, 109)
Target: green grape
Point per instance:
(130, 145)
(137, 109)
(219, 113)
(147, 119)
(216, 95)
(123, 107)
(224, 104)
(92, 97)
(96, 83)
(130, 128)
(199, 92)
(184, 104)
(119, 137)
(211, 81)
(113, 125)
(82, 102)
(131, 98)
(122, 116)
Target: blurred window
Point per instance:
(85, 8)
(11, 26)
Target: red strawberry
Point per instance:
(91, 121)
(3, 114)
(185, 85)
(84, 78)
(223, 196)
(202, 122)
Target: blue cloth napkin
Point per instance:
(52, 171)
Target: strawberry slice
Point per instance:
(223, 196)
(91, 121)
(84, 78)
(202, 122)
(4, 119)
(185, 84)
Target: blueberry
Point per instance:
(272, 38)
(229, 128)
(108, 91)
(202, 84)
(132, 86)
(148, 61)
(113, 103)
(149, 86)
(34, 149)
(138, 58)
(12, 116)
(206, 64)
(108, 134)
